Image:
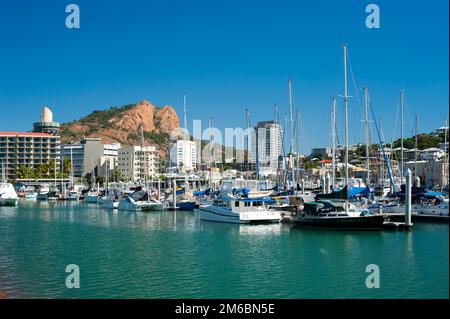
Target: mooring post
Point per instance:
(322, 181)
(174, 194)
(159, 190)
(407, 176)
(417, 181)
(327, 183)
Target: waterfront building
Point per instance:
(265, 148)
(431, 154)
(183, 155)
(431, 173)
(46, 124)
(27, 149)
(91, 156)
(136, 163)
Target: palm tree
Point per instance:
(67, 165)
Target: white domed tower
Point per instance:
(46, 125)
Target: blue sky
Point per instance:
(225, 55)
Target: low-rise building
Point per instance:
(431, 154)
(90, 155)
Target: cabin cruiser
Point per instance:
(229, 209)
(233, 205)
(70, 195)
(47, 193)
(140, 201)
(112, 199)
(8, 195)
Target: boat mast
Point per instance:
(143, 152)
(445, 154)
(297, 157)
(185, 118)
(415, 147)
(211, 151)
(333, 142)
(71, 167)
(247, 128)
(346, 115)
(54, 161)
(62, 176)
(291, 126)
(401, 138)
(366, 132)
(381, 159)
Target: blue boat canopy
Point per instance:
(241, 191)
(358, 191)
(203, 192)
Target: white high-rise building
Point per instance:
(183, 154)
(265, 148)
(136, 163)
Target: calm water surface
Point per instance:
(173, 255)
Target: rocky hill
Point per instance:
(122, 124)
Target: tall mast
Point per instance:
(54, 161)
(401, 138)
(366, 132)
(71, 167)
(185, 118)
(291, 114)
(211, 150)
(415, 147)
(275, 119)
(142, 150)
(247, 128)
(346, 115)
(333, 142)
(297, 157)
(445, 154)
(381, 157)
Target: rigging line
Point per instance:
(409, 115)
(321, 127)
(395, 125)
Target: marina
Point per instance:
(174, 254)
(225, 150)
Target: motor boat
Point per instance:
(8, 195)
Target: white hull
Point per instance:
(9, 201)
(110, 204)
(8, 196)
(438, 210)
(91, 199)
(139, 206)
(224, 215)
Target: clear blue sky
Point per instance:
(225, 54)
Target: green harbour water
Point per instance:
(175, 255)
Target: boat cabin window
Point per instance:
(236, 204)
